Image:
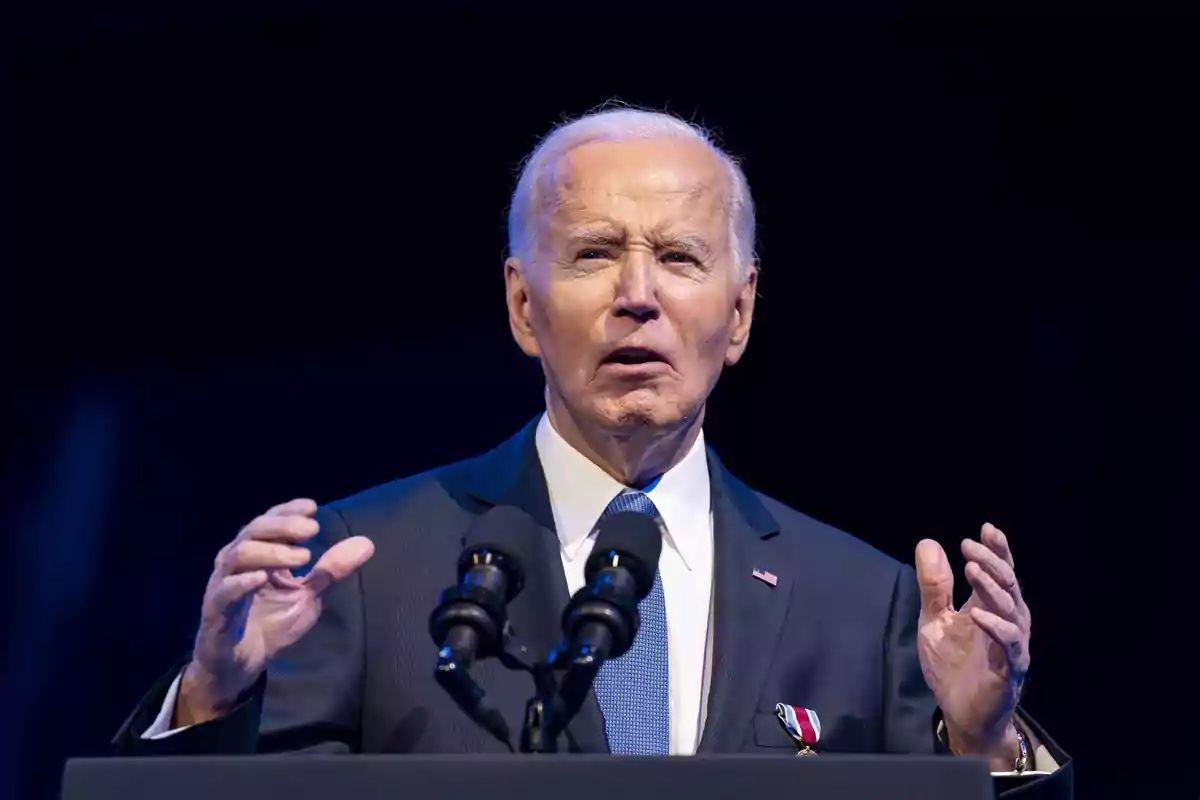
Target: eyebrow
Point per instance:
(684, 241)
(607, 238)
(599, 238)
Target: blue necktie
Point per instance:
(633, 690)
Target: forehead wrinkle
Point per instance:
(699, 196)
(581, 224)
(558, 190)
(562, 177)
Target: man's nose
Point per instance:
(637, 290)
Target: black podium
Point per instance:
(325, 777)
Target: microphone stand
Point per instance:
(548, 712)
(535, 734)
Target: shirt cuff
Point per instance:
(161, 727)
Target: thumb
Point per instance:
(934, 577)
(340, 562)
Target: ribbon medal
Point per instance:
(802, 724)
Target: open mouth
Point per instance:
(635, 355)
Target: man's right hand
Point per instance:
(254, 606)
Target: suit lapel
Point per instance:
(749, 613)
(512, 475)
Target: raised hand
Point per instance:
(974, 659)
(254, 606)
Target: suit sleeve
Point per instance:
(309, 699)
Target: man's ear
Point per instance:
(743, 315)
(520, 320)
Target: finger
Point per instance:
(1001, 572)
(301, 506)
(997, 542)
(994, 565)
(233, 588)
(271, 527)
(1008, 636)
(339, 562)
(934, 577)
(988, 592)
(251, 555)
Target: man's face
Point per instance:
(633, 302)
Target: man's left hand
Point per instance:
(974, 659)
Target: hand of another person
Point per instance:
(974, 659)
(254, 606)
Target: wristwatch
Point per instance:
(1022, 761)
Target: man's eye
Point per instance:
(678, 258)
(591, 254)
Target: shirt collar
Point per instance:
(580, 491)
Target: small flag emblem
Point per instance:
(766, 577)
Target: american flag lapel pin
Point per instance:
(766, 577)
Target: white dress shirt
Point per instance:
(579, 493)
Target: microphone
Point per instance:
(601, 620)
(471, 618)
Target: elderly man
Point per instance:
(632, 280)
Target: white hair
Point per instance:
(612, 125)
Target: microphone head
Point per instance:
(503, 536)
(630, 540)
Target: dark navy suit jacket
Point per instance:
(836, 634)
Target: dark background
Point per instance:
(259, 256)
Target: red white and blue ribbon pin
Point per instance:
(803, 724)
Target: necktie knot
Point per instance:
(631, 500)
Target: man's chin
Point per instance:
(640, 410)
